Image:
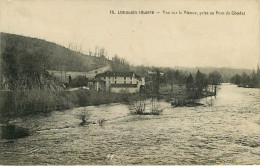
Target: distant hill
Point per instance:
(226, 73)
(58, 57)
(20, 52)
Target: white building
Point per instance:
(120, 82)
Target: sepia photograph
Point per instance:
(133, 82)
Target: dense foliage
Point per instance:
(245, 80)
(26, 87)
(196, 85)
(119, 64)
(51, 56)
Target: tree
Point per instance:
(170, 78)
(177, 77)
(79, 81)
(120, 64)
(174, 77)
(155, 81)
(201, 81)
(24, 70)
(9, 67)
(236, 79)
(102, 53)
(189, 83)
(215, 78)
(245, 79)
(253, 81)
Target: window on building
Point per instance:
(104, 77)
(130, 78)
(124, 82)
(115, 77)
(130, 82)
(136, 82)
(124, 77)
(115, 82)
(108, 77)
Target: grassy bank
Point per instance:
(35, 101)
(19, 103)
(88, 97)
(22, 103)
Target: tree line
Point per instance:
(197, 85)
(245, 80)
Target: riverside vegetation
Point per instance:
(247, 81)
(27, 88)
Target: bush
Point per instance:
(156, 111)
(83, 98)
(42, 101)
(84, 116)
(7, 104)
(10, 131)
(34, 101)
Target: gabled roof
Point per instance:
(118, 74)
(123, 85)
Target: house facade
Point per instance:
(119, 82)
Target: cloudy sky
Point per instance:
(159, 39)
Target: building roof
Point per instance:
(123, 85)
(92, 80)
(118, 74)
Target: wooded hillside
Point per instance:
(55, 56)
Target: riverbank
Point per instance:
(248, 86)
(43, 101)
(23, 103)
(225, 134)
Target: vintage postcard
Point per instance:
(147, 82)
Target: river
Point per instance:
(226, 131)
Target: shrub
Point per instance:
(101, 122)
(10, 131)
(83, 98)
(84, 116)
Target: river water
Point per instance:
(227, 131)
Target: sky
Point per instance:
(154, 40)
